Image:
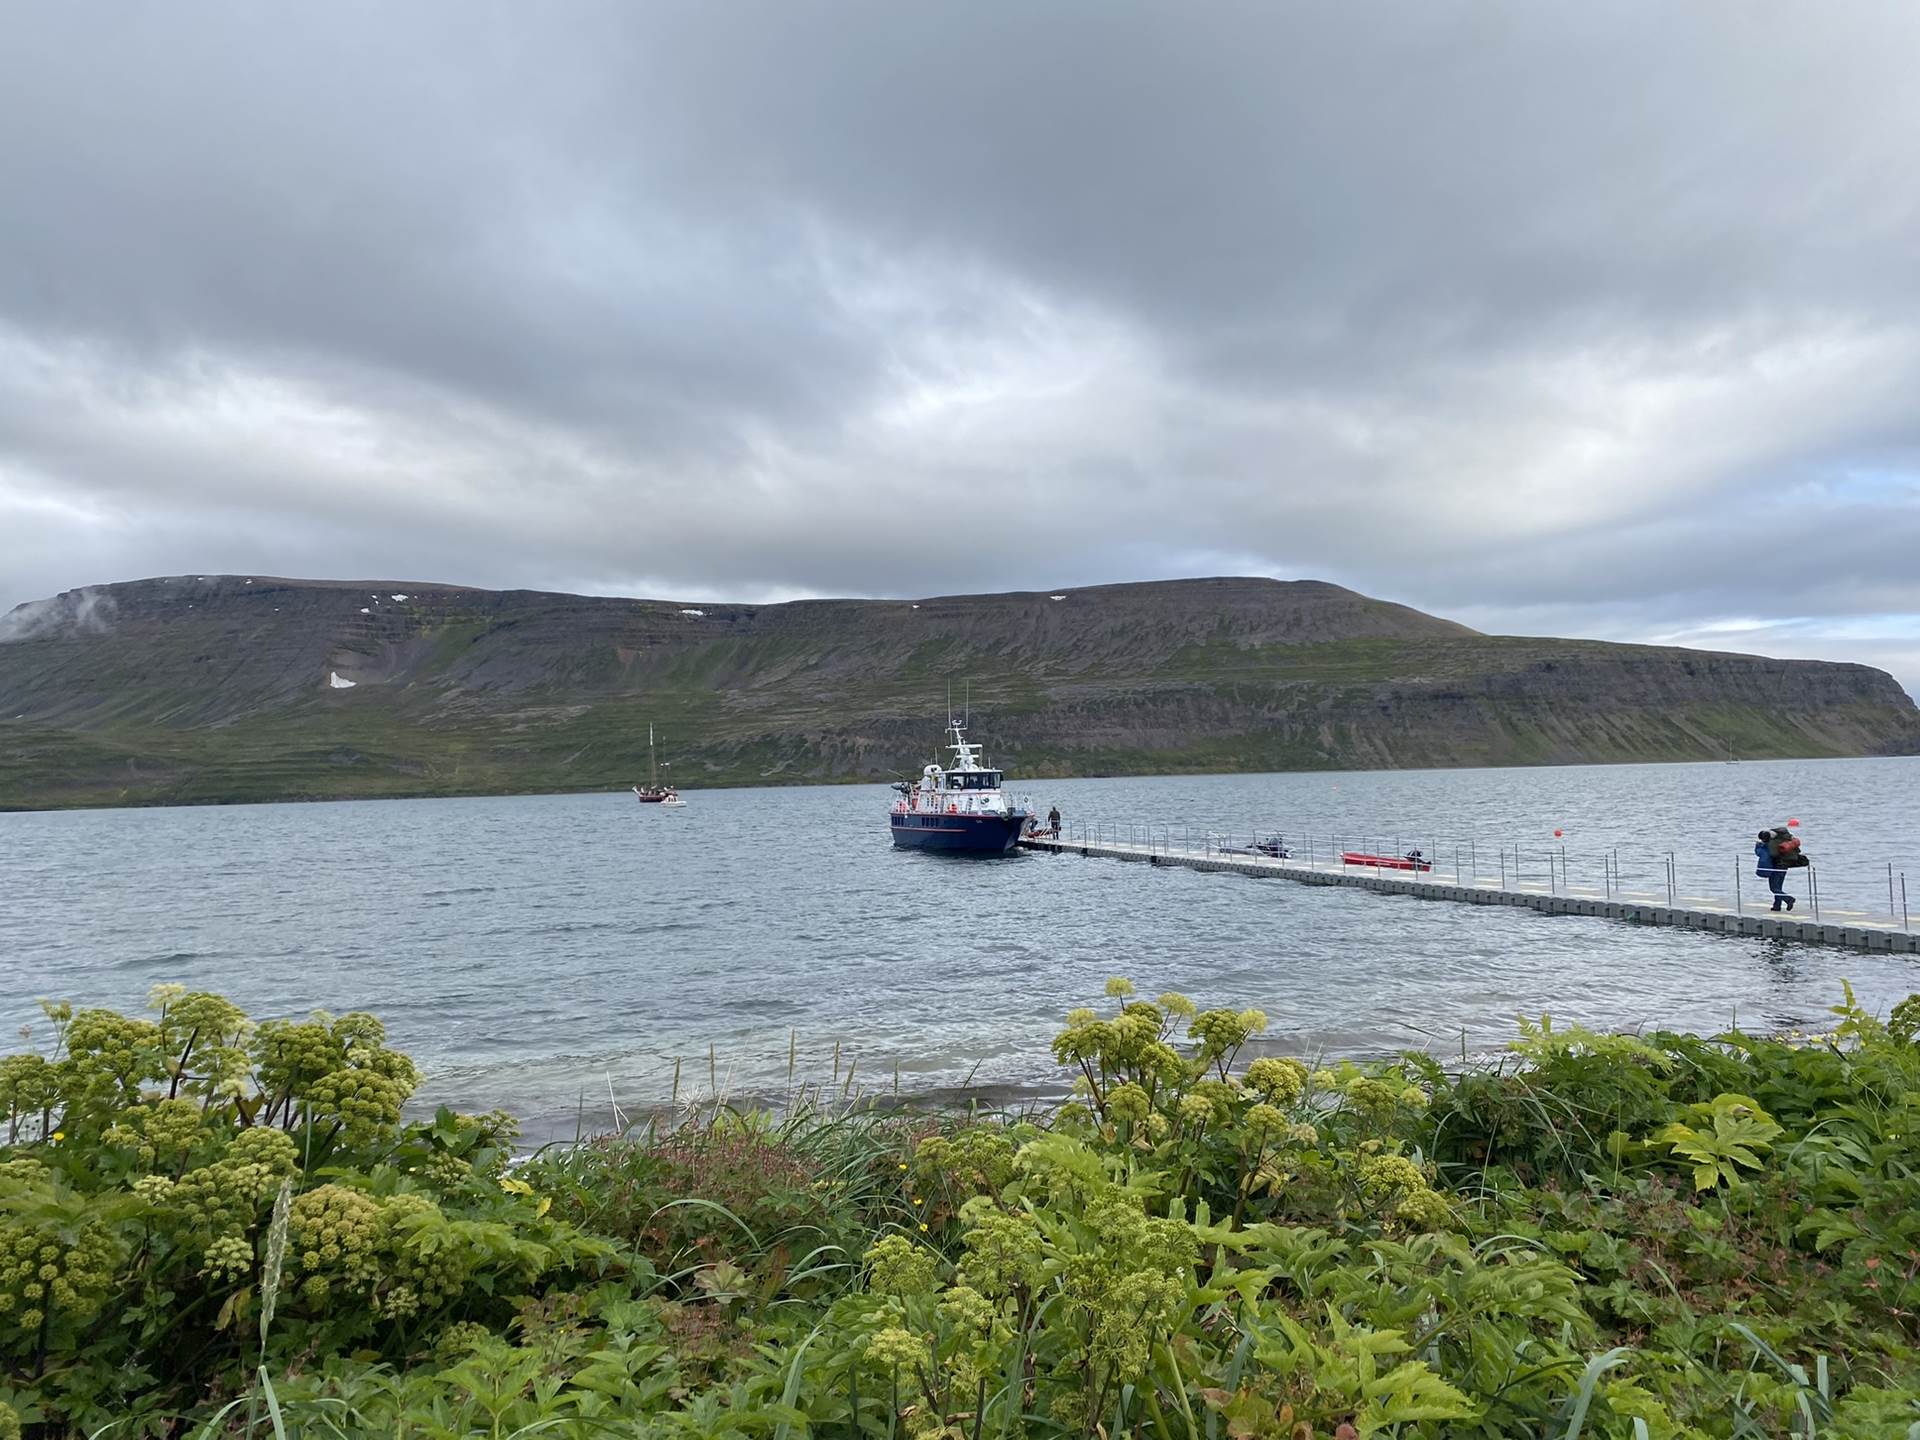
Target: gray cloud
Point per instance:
(1600, 321)
(84, 611)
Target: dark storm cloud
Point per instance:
(1602, 317)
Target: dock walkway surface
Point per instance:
(1737, 916)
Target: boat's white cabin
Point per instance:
(967, 787)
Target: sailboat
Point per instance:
(653, 792)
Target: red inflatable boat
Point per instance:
(1385, 862)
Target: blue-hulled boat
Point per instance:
(959, 808)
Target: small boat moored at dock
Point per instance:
(959, 808)
(1274, 847)
(1412, 860)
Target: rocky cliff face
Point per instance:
(249, 687)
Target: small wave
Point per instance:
(155, 962)
(755, 1006)
(540, 928)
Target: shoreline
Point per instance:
(830, 783)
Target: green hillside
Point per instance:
(230, 688)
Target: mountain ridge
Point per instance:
(184, 689)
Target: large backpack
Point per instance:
(1786, 849)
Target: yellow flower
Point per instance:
(923, 1225)
(59, 1135)
(903, 1164)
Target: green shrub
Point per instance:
(209, 1224)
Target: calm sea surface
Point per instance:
(549, 952)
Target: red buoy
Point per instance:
(1794, 823)
(1558, 833)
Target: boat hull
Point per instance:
(975, 834)
(1384, 862)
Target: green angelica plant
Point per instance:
(1208, 1243)
(145, 1161)
(1728, 1134)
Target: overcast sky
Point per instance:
(1591, 320)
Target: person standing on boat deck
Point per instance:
(1053, 819)
(1767, 867)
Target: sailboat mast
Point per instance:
(653, 770)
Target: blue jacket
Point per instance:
(1763, 859)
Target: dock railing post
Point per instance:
(1671, 885)
(1503, 867)
(1473, 861)
(1739, 905)
(1813, 886)
(1890, 914)
(1606, 872)
(1456, 865)
(1906, 921)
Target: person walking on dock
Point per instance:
(1767, 866)
(1053, 819)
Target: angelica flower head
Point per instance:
(1279, 1080)
(967, 1310)
(896, 1266)
(895, 1348)
(1196, 1111)
(1128, 1102)
(1381, 1175)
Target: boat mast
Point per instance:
(653, 770)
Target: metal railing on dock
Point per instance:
(1648, 886)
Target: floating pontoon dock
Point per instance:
(1737, 916)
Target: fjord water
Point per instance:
(549, 953)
